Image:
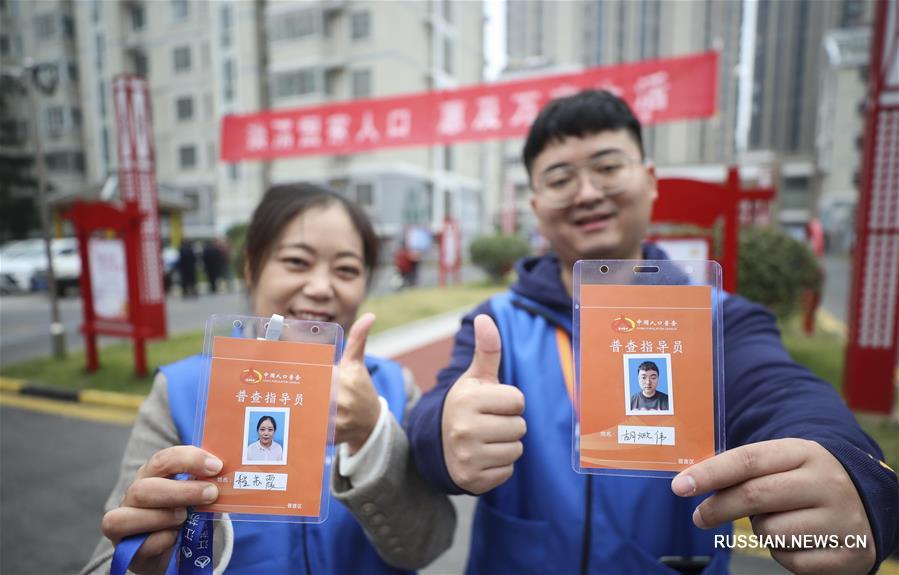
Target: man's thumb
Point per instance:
(487, 349)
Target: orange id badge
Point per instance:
(647, 352)
(266, 409)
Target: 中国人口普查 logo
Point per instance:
(250, 376)
(623, 324)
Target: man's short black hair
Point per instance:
(648, 366)
(580, 115)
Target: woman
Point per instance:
(310, 255)
(265, 448)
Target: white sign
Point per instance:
(645, 435)
(109, 278)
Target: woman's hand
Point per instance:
(358, 407)
(156, 504)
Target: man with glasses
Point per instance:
(798, 464)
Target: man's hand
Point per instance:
(358, 407)
(787, 487)
(482, 424)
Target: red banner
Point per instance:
(657, 90)
(137, 183)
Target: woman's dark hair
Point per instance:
(282, 203)
(270, 418)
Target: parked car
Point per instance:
(18, 262)
(66, 267)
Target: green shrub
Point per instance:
(775, 269)
(497, 254)
(237, 240)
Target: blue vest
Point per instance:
(336, 546)
(548, 519)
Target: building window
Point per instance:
(101, 97)
(55, 120)
(100, 45)
(180, 10)
(187, 157)
(361, 83)
(294, 83)
(4, 44)
(225, 23)
(45, 26)
(365, 195)
(137, 17)
(211, 154)
(360, 25)
(447, 55)
(184, 108)
(332, 79)
(228, 79)
(292, 26)
(76, 117)
(234, 172)
(181, 58)
(141, 64)
(72, 71)
(104, 139)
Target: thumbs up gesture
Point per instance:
(358, 407)
(482, 424)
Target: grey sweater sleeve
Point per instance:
(153, 431)
(408, 523)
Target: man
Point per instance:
(798, 463)
(649, 397)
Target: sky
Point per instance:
(495, 40)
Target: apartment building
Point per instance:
(322, 52)
(43, 33)
(204, 60)
(786, 60)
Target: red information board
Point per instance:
(121, 276)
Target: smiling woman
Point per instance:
(310, 255)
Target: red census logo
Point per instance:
(623, 324)
(250, 376)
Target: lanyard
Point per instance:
(193, 548)
(563, 343)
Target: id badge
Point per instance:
(266, 409)
(648, 366)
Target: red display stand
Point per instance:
(141, 322)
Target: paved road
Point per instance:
(25, 318)
(55, 477)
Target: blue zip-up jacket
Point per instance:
(336, 546)
(547, 518)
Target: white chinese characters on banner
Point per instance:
(488, 116)
(527, 106)
(452, 118)
(651, 95)
(399, 123)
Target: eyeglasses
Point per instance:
(610, 173)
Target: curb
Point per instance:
(88, 396)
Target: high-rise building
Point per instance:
(582, 34)
(786, 59)
(38, 33)
(204, 60)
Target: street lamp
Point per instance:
(42, 79)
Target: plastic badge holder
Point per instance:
(269, 376)
(634, 319)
